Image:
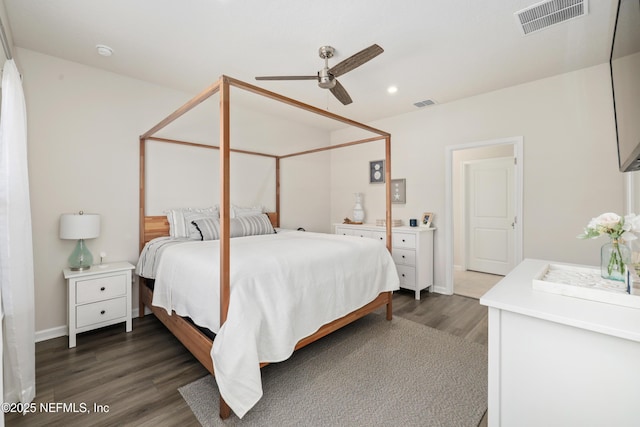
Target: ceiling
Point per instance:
(439, 50)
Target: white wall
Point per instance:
(83, 129)
(570, 160)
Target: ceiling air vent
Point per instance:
(424, 103)
(547, 13)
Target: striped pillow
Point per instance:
(250, 225)
(209, 228)
(192, 231)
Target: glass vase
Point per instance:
(614, 257)
(358, 211)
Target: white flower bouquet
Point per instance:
(619, 229)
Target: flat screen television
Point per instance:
(625, 80)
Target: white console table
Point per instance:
(557, 360)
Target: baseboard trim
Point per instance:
(63, 331)
(49, 334)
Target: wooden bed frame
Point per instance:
(156, 226)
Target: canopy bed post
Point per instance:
(225, 206)
(142, 215)
(278, 191)
(387, 173)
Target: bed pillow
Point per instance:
(178, 225)
(192, 230)
(209, 228)
(238, 211)
(250, 225)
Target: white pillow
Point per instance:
(178, 225)
(237, 211)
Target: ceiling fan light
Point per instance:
(326, 80)
(392, 89)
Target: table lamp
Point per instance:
(80, 226)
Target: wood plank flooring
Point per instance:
(137, 375)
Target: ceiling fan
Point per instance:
(327, 77)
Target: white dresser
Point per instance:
(98, 297)
(411, 248)
(556, 360)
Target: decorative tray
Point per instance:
(585, 283)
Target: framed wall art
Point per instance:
(376, 172)
(399, 190)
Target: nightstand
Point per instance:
(100, 296)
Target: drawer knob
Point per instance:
(102, 289)
(403, 240)
(402, 274)
(402, 256)
(380, 238)
(102, 312)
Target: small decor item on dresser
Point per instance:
(614, 255)
(427, 219)
(358, 211)
(383, 222)
(413, 222)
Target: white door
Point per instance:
(489, 211)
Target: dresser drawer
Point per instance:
(404, 240)
(101, 288)
(343, 231)
(404, 257)
(407, 276)
(381, 236)
(101, 311)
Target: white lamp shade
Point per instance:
(79, 226)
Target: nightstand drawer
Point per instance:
(407, 276)
(101, 311)
(404, 257)
(101, 288)
(404, 240)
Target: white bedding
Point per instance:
(284, 287)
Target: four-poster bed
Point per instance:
(153, 227)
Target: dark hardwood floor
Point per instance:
(134, 378)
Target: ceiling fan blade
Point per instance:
(356, 60)
(287, 78)
(341, 93)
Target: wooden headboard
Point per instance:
(158, 226)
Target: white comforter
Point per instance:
(284, 287)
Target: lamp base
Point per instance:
(80, 259)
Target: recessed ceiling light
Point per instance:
(104, 50)
(392, 89)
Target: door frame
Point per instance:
(518, 151)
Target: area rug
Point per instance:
(373, 372)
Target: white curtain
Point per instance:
(16, 248)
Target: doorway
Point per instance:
(460, 229)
